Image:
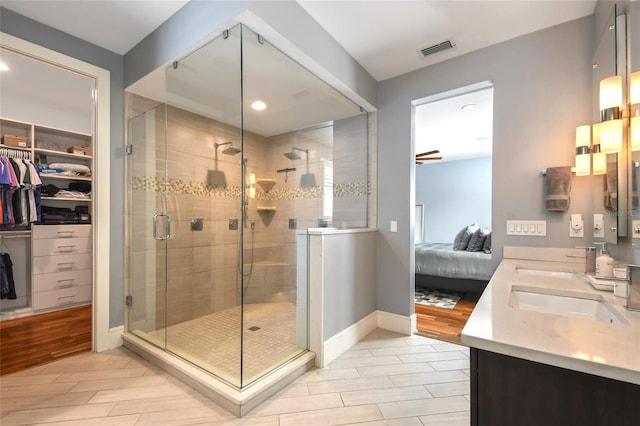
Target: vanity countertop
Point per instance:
(594, 347)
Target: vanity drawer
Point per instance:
(54, 246)
(61, 297)
(61, 263)
(61, 231)
(61, 280)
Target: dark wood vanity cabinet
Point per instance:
(508, 391)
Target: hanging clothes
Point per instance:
(7, 284)
(20, 187)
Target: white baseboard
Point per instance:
(398, 323)
(341, 342)
(115, 336)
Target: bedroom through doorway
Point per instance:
(453, 140)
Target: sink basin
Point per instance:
(548, 271)
(566, 303)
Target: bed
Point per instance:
(439, 266)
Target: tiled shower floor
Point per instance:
(213, 343)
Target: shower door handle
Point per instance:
(167, 227)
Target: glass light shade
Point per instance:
(599, 163)
(583, 136)
(611, 92)
(634, 88)
(583, 165)
(596, 134)
(252, 192)
(634, 130)
(252, 179)
(611, 136)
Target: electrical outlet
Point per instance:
(635, 227)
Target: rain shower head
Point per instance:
(293, 155)
(228, 151)
(232, 150)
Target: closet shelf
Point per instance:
(63, 177)
(79, 200)
(61, 153)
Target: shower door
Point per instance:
(186, 212)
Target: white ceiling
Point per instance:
(383, 36)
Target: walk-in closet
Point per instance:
(47, 126)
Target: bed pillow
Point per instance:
(461, 241)
(477, 239)
(486, 246)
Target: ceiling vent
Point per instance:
(437, 48)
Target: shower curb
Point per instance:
(237, 402)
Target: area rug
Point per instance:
(438, 298)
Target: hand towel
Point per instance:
(558, 188)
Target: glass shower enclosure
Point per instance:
(243, 149)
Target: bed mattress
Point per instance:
(441, 260)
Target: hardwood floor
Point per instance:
(445, 324)
(39, 339)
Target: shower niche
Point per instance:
(229, 301)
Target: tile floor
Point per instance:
(385, 379)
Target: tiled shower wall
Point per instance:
(202, 265)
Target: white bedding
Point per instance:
(439, 259)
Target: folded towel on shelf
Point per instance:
(558, 188)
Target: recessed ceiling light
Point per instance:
(468, 107)
(3, 67)
(259, 106)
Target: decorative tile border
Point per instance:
(178, 186)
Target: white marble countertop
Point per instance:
(600, 348)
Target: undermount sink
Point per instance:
(565, 303)
(548, 271)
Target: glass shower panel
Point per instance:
(146, 197)
(289, 149)
(203, 159)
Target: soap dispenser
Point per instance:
(604, 263)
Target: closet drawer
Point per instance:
(61, 280)
(61, 263)
(62, 297)
(53, 246)
(61, 231)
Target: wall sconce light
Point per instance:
(611, 128)
(583, 159)
(252, 186)
(599, 158)
(634, 110)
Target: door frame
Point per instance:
(101, 338)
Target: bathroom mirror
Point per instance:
(610, 189)
(633, 65)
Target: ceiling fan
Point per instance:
(421, 158)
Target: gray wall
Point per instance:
(34, 32)
(542, 91)
(454, 194)
(349, 280)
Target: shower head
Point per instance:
(293, 155)
(229, 151)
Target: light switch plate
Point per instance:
(393, 226)
(530, 228)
